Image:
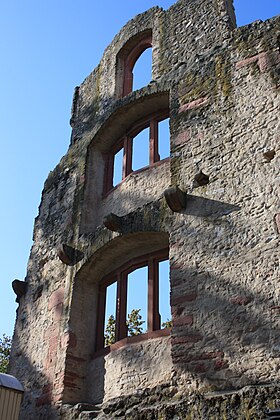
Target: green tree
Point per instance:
(5, 350)
(110, 331)
(167, 324)
(134, 326)
(134, 322)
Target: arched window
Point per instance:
(127, 59)
(142, 284)
(144, 145)
(142, 70)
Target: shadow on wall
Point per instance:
(229, 342)
(222, 325)
(38, 389)
(222, 335)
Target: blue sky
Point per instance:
(47, 48)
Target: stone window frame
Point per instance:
(120, 276)
(127, 58)
(126, 142)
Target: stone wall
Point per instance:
(221, 86)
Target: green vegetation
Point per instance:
(5, 350)
(134, 326)
(110, 331)
(134, 322)
(167, 324)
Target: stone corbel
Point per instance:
(69, 255)
(20, 288)
(112, 222)
(175, 198)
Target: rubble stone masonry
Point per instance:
(215, 203)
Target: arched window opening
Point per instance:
(141, 292)
(142, 70)
(134, 63)
(144, 145)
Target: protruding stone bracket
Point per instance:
(69, 255)
(269, 155)
(112, 222)
(20, 288)
(200, 180)
(175, 198)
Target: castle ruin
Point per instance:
(211, 207)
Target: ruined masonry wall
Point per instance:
(221, 85)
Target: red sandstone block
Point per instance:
(183, 320)
(58, 312)
(49, 362)
(182, 138)
(221, 364)
(265, 61)
(189, 297)
(51, 331)
(194, 104)
(190, 338)
(240, 300)
(56, 298)
(247, 61)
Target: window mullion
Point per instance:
(101, 318)
(154, 155)
(127, 157)
(153, 296)
(121, 328)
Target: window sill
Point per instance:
(145, 168)
(131, 340)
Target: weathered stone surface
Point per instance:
(165, 402)
(221, 86)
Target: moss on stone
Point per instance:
(223, 75)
